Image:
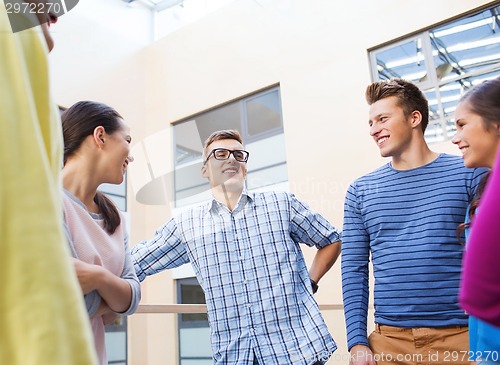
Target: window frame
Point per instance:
(443, 125)
(241, 103)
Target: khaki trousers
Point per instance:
(420, 346)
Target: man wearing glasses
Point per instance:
(244, 249)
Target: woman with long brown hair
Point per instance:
(96, 151)
(478, 137)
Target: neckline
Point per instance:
(80, 203)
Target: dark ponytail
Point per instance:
(109, 212)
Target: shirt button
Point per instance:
(249, 305)
(241, 258)
(245, 282)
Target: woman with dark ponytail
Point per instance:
(478, 137)
(96, 151)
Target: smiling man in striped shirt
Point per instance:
(244, 249)
(405, 216)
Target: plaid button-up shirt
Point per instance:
(253, 273)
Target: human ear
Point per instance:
(204, 172)
(416, 118)
(99, 134)
(497, 128)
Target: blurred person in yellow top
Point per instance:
(42, 316)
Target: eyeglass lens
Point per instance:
(223, 154)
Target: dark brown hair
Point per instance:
(483, 100)
(409, 96)
(473, 205)
(78, 122)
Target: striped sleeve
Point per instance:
(355, 258)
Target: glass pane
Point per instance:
(188, 142)
(188, 180)
(114, 189)
(193, 294)
(117, 193)
(225, 117)
(268, 176)
(266, 168)
(119, 201)
(263, 113)
(195, 342)
(464, 52)
(189, 139)
(261, 124)
(405, 60)
(116, 347)
(467, 45)
(442, 105)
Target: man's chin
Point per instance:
(233, 184)
(385, 153)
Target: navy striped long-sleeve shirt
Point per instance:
(406, 220)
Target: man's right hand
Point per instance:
(361, 355)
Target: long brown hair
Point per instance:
(473, 205)
(78, 122)
(482, 100)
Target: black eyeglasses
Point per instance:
(223, 154)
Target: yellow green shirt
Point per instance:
(42, 315)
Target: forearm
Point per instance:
(115, 291)
(356, 315)
(108, 316)
(164, 251)
(355, 286)
(103, 309)
(324, 260)
(355, 292)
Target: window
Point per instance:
(258, 118)
(116, 334)
(117, 193)
(116, 342)
(444, 61)
(194, 332)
